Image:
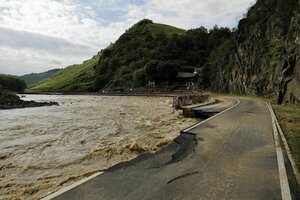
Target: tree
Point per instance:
(151, 71)
(167, 71)
(139, 77)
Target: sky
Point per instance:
(39, 35)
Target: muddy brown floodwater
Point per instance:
(48, 148)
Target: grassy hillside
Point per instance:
(73, 78)
(33, 78)
(156, 29)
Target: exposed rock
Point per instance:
(290, 83)
(11, 101)
(266, 58)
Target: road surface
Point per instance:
(231, 156)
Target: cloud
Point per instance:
(192, 13)
(53, 18)
(23, 61)
(25, 52)
(34, 33)
(23, 39)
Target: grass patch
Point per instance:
(155, 29)
(289, 119)
(34, 78)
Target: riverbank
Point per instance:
(130, 93)
(12, 101)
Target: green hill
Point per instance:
(155, 52)
(33, 78)
(82, 77)
(73, 78)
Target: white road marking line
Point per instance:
(288, 151)
(188, 129)
(59, 192)
(284, 184)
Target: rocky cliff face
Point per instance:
(267, 52)
(290, 79)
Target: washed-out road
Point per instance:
(231, 156)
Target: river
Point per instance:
(48, 148)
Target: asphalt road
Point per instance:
(231, 156)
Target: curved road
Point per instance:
(231, 156)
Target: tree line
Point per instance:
(11, 83)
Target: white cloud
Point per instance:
(32, 60)
(54, 30)
(192, 13)
(48, 17)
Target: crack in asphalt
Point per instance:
(187, 143)
(183, 176)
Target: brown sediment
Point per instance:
(84, 135)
